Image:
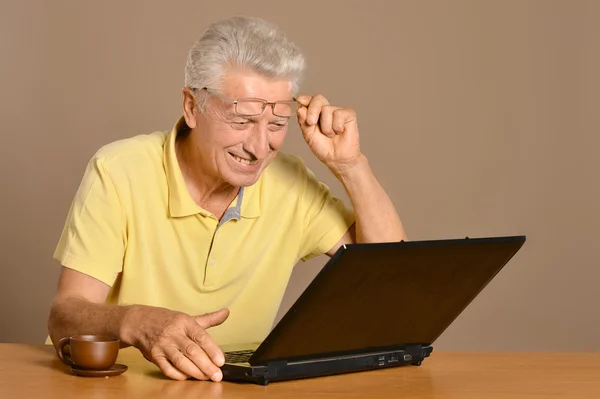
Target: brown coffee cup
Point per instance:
(91, 352)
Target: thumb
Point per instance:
(302, 115)
(212, 319)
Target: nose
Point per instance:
(258, 142)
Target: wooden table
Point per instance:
(34, 372)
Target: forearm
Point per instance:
(376, 216)
(73, 316)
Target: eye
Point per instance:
(240, 124)
(275, 126)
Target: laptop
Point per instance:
(373, 306)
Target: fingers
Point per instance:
(330, 119)
(196, 353)
(326, 119)
(205, 340)
(341, 117)
(182, 348)
(313, 107)
(168, 369)
(186, 359)
(304, 100)
(212, 319)
(301, 112)
(205, 353)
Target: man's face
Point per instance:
(233, 148)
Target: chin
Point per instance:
(242, 176)
(241, 179)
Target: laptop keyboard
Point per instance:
(238, 356)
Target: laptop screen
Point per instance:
(386, 295)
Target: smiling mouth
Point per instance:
(243, 161)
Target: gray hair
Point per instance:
(243, 42)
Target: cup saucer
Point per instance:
(116, 369)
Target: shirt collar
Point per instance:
(180, 201)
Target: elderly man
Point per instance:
(173, 233)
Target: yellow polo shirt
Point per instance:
(134, 226)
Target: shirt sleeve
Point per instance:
(93, 239)
(326, 218)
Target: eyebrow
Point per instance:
(254, 118)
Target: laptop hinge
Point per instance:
(273, 367)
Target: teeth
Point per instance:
(244, 161)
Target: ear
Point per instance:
(190, 111)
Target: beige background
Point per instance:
(479, 117)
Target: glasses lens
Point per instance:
(249, 107)
(284, 109)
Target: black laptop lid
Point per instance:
(386, 295)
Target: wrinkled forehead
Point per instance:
(247, 84)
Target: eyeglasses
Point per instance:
(256, 106)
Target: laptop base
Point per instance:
(284, 370)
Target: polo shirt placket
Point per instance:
(211, 269)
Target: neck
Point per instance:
(207, 190)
